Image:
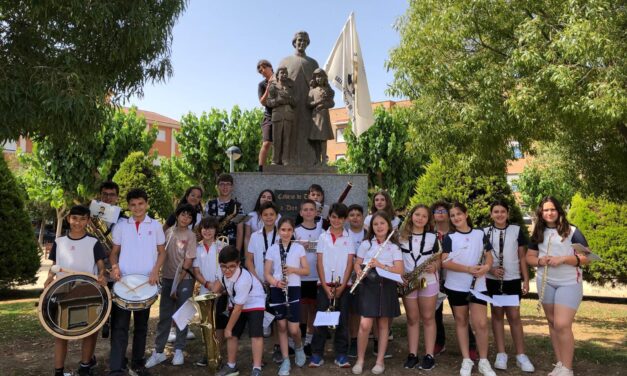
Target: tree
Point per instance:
(384, 153)
(65, 63)
(484, 73)
(203, 141)
(452, 180)
(604, 225)
(138, 171)
(173, 179)
(20, 257)
(548, 173)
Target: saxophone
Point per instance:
(414, 279)
(206, 308)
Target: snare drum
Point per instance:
(74, 306)
(133, 292)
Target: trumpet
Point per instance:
(334, 283)
(309, 245)
(369, 266)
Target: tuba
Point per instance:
(100, 230)
(414, 279)
(206, 308)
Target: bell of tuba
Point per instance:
(206, 308)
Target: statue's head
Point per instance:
(281, 73)
(319, 77)
(300, 41)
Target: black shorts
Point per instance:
(280, 311)
(308, 292)
(266, 129)
(221, 317)
(512, 287)
(254, 319)
(459, 298)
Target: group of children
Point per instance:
(295, 270)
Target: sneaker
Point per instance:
(501, 361)
(190, 335)
(428, 363)
(466, 369)
(308, 349)
(84, 371)
(485, 368)
(315, 361)
(201, 363)
(300, 358)
(342, 361)
(352, 350)
(154, 359)
(284, 370)
(438, 349)
(411, 361)
(172, 335)
(474, 355)
(277, 357)
(378, 369)
(178, 358)
(375, 350)
(227, 371)
(256, 372)
(357, 369)
(523, 362)
(556, 368)
(563, 371)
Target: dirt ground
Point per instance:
(600, 334)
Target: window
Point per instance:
(10, 146)
(339, 135)
(161, 135)
(340, 156)
(516, 152)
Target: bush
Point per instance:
(20, 256)
(138, 171)
(453, 181)
(604, 225)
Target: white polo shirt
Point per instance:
(335, 254)
(310, 234)
(257, 246)
(138, 242)
(245, 290)
(512, 239)
(418, 249)
(387, 256)
(465, 248)
(207, 261)
(296, 251)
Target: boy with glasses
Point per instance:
(224, 206)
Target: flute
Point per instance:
(369, 266)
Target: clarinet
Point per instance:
(474, 278)
(501, 244)
(284, 279)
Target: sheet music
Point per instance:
(481, 296)
(582, 250)
(184, 315)
(505, 300)
(389, 275)
(267, 319)
(324, 318)
(441, 298)
(104, 211)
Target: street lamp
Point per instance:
(234, 153)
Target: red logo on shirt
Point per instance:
(149, 233)
(72, 248)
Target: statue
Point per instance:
(300, 68)
(281, 101)
(320, 100)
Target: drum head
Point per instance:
(74, 306)
(134, 288)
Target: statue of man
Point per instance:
(300, 68)
(281, 100)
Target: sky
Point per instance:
(216, 46)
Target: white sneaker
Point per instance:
(501, 361)
(172, 335)
(155, 359)
(466, 369)
(485, 368)
(523, 362)
(190, 334)
(563, 371)
(557, 367)
(178, 359)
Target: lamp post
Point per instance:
(234, 153)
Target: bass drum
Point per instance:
(74, 306)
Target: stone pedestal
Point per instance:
(291, 186)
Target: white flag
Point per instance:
(345, 69)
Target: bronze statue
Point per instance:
(281, 101)
(320, 100)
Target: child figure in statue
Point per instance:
(320, 100)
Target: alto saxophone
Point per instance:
(414, 279)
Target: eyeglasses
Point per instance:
(225, 184)
(440, 211)
(106, 194)
(228, 267)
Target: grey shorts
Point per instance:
(568, 295)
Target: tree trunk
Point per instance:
(60, 215)
(42, 229)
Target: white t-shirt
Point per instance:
(296, 251)
(465, 248)
(79, 255)
(396, 221)
(335, 254)
(418, 249)
(207, 261)
(246, 290)
(257, 246)
(310, 234)
(357, 237)
(387, 256)
(256, 223)
(512, 238)
(564, 274)
(138, 242)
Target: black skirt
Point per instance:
(378, 297)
